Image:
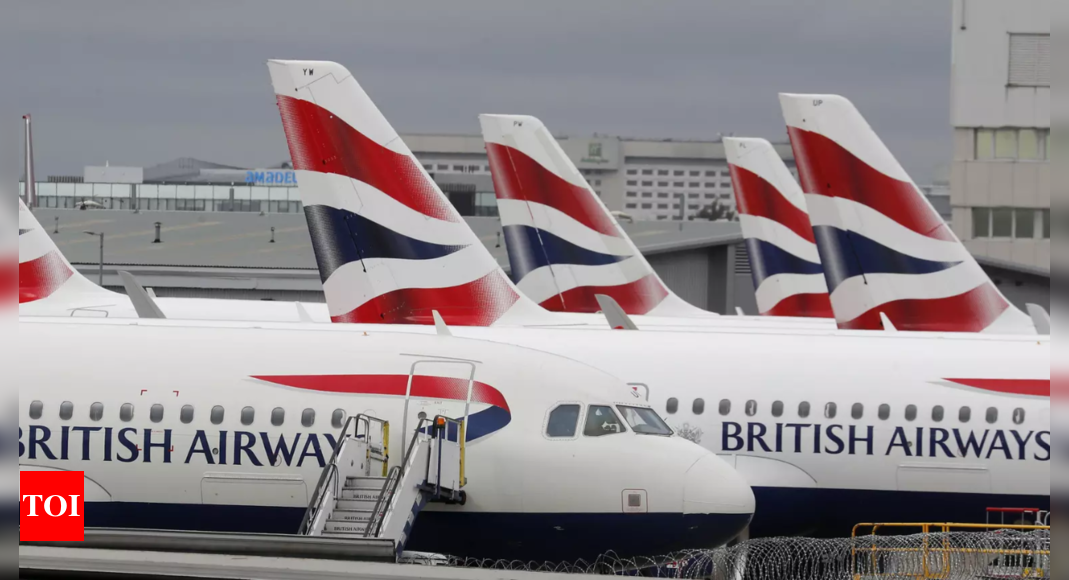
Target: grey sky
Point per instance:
(139, 82)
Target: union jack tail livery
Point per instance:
(390, 246)
(564, 246)
(884, 248)
(43, 271)
(787, 272)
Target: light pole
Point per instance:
(100, 278)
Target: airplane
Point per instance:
(763, 363)
(887, 253)
(390, 246)
(564, 245)
(238, 440)
(787, 270)
(49, 285)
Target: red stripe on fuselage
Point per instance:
(1031, 388)
(322, 142)
(39, 278)
(757, 197)
(826, 168)
(972, 311)
(423, 387)
(518, 177)
(636, 298)
(479, 303)
(803, 306)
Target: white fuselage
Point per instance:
(136, 406)
(1001, 454)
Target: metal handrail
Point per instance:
(331, 474)
(389, 490)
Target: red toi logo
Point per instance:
(52, 506)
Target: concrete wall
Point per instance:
(991, 101)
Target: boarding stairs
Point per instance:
(360, 496)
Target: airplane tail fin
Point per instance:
(564, 245)
(884, 247)
(787, 271)
(390, 246)
(44, 273)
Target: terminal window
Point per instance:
(1029, 60)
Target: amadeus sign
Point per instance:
(271, 177)
(596, 153)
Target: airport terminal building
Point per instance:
(648, 180)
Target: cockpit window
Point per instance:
(602, 421)
(563, 421)
(645, 421)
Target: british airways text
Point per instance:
(934, 442)
(129, 445)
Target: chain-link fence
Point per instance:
(1003, 555)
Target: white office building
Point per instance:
(1000, 181)
(646, 179)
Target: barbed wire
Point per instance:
(1006, 555)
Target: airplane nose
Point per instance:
(713, 487)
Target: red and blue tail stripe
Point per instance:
(390, 246)
(885, 249)
(322, 142)
(564, 246)
(340, 237)
(848, 254)
(518, 177)
(531, 248)
(786, 267)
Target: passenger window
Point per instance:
(248, 415)
(725, 407)
(1018, 416)
(218, 414)
(885, 412)
(699, 406)
(37, 408)
(308, 418)
(66, 410)
(126, 413)
(278, 417)
(938, 413)
(155, 413)
(804, 409)
(965, 415)
(858, 411)
(337, 420)
(673, 406)
(563, 421)
(777, 409)
(186, 416)
(992, 415)
(602, 421)
(911, 413)
(751, 408)
(831, 410)
(96, 412)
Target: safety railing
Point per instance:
(328, 488)
(1007, 551)
(438, 432)
(393, 481)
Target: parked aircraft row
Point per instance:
(857, 423)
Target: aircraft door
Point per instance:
(436, 388)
